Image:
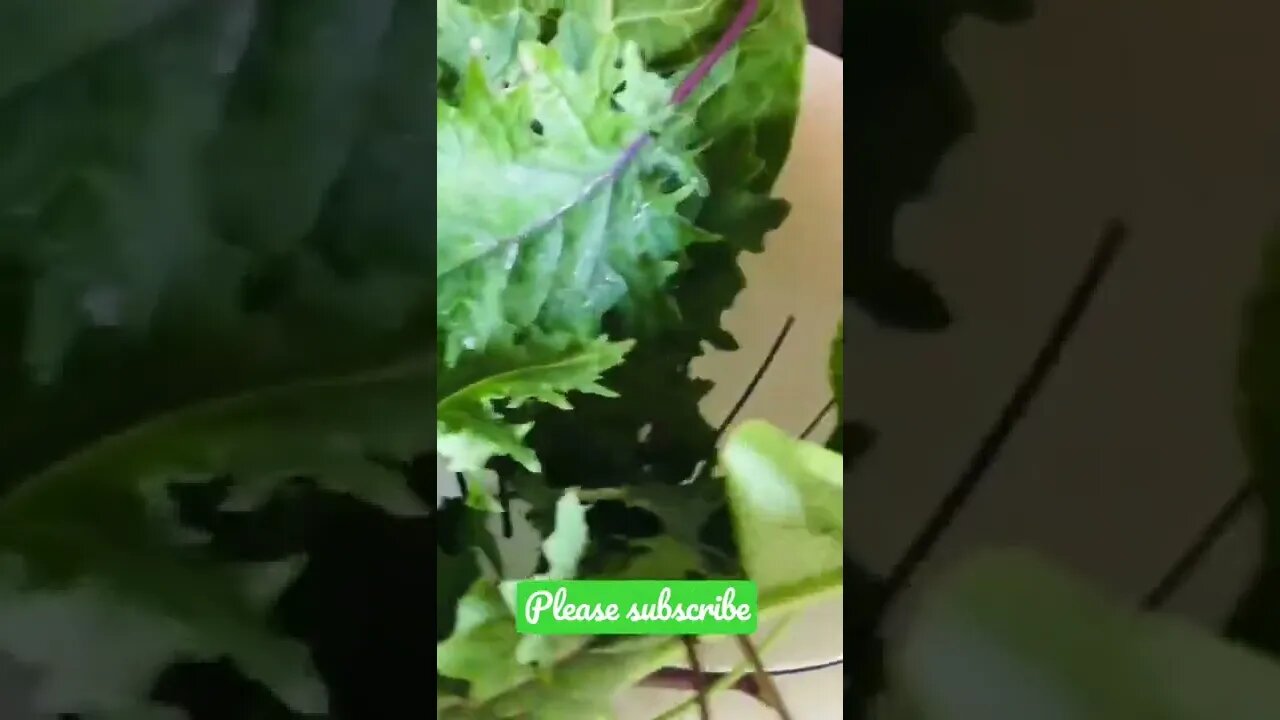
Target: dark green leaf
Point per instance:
(43, 37)
(295, 106)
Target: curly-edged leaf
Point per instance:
(549, 214)
(787, 501)
(656, 433)
(671, 33)
(563, 551)
(102, 558)
(581, 685)
(1258, 410)
(648, 531)
(783, 493)
(484, 649)
(97, 593)
(1008, 637)
(763, 100)
(470, 430)
(563, 548)
(489, 32)
(541, 678)
(334, 431)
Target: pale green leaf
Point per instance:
(787, 501)
(484, 649)
(1008, 637)
(563, 548)
(470, 430)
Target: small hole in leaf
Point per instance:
(536, 127)
(548, 25)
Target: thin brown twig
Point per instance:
(699, 678)
(677, 678)
(769, 694)
(926, 540)
(817, 419)
(759, 374)
(703, 471)
(1178, 574)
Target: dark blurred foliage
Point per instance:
(360, 604)
(906, 108)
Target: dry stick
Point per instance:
(926, 540)
(817, 419)
(755, 379)
(704, 471)
(1181, 570)
(734, 679)
(678, 678)
(764, 681)
(681, 677)
(699, 679)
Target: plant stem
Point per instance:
(756, 378)
(817, 419)
(984, 457)
(1181, 570)
(700, 680)
(707, 466)
(764, 681)
(732, 680)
